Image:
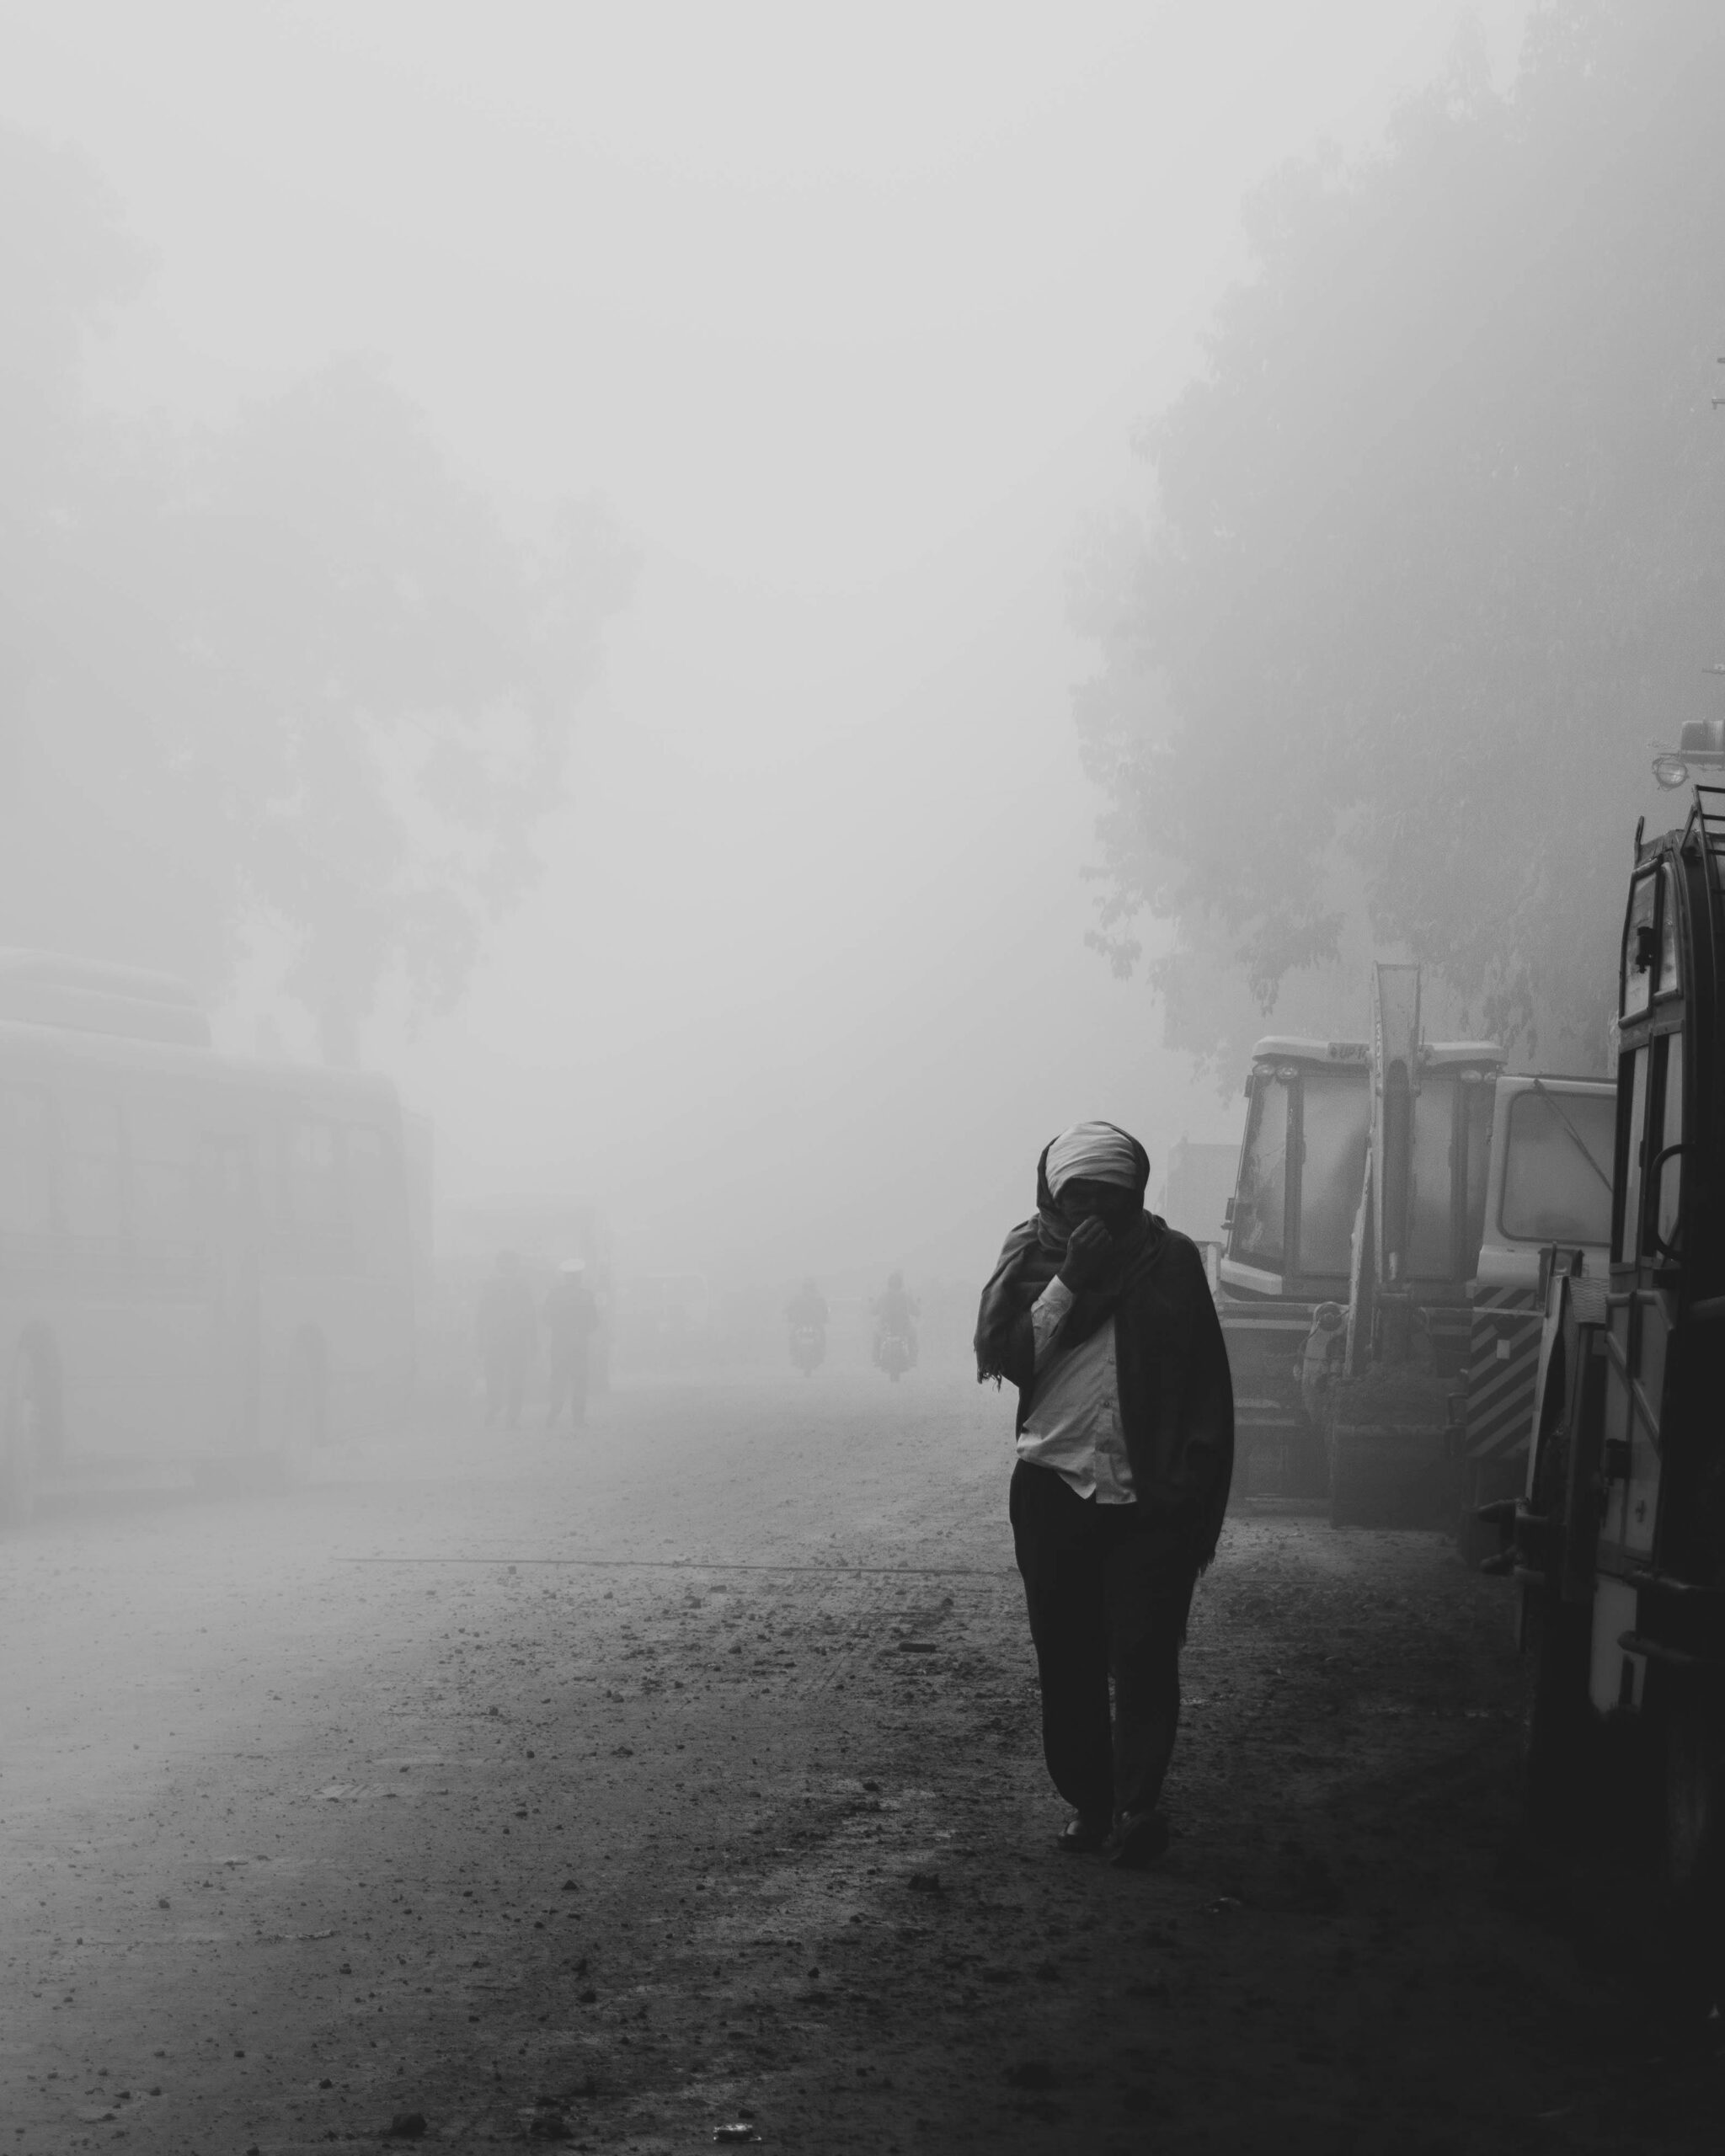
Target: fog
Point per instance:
(848, 318)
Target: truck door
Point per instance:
(1642, 1310)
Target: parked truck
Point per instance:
(1379, 1279)
(1619, 1536)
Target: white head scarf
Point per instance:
(1095, 1150)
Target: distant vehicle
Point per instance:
(203, 1261)
(807, 1348)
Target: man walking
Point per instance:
(1101, 1315)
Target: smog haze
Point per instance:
(846, 320)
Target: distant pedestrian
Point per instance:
(1101, 1315)
(571, 1319)
(507, 1331)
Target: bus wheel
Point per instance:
(28, 1432)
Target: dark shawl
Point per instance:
(1176, 1396)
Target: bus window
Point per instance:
(89, 1150)
(1431, 1203)
(1557, 1171)
(1665, 1201)
(1261, 1204)
(1335, 1128)
(26, 1206)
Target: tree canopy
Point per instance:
(1437, 551)
(295, 669)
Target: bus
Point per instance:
(204, 1260)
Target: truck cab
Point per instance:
(1548, 1201)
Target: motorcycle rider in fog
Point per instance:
(896, 1314)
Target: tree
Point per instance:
(1437, 550)
(298, 669)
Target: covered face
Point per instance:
(1095, 1152)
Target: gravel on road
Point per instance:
(686, 1776)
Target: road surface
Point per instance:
(685, 1775)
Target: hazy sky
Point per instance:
(848, 313)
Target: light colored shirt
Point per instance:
(1074, 1423)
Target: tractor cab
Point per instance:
(1352, 1234)
(1290, 1227)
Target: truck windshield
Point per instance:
(1261, 1202)
(1557, 1177)
(1336, 1119)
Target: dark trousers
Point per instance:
(1106, 1592)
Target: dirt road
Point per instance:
(687, 1774)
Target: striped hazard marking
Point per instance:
(1502, 1367)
